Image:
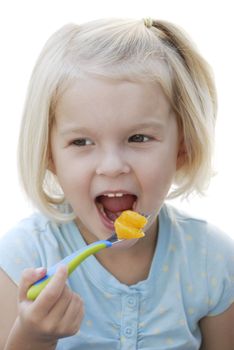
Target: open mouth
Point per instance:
(110, 205)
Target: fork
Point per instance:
(72, 261)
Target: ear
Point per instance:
(182, 154)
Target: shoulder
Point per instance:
(28, 232)
(200, 240)
(37, 228)
(36, 222)
(33, 242)
(196, 229)
(206, 253)
(176, 215)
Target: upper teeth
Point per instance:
(113, 194)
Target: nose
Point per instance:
(112, 163)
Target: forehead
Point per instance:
(93, 96)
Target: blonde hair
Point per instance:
(138, 50)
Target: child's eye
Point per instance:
(82, 142)
(139, 138)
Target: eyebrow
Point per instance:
(152, 123)
(74, 130)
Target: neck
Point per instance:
(131, 265)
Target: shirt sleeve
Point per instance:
(18, 251)
(220, 271)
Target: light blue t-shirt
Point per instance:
(192, 276)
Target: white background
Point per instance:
(26, 25)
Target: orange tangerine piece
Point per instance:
(127, 232)
(132, 218)
(129, 225)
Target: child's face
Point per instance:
(114, 147)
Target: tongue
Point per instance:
(116, 204)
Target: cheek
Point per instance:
(72, 175)
(158, 170)
(74, 180)
(159, 176)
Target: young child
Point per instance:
(119, 115)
